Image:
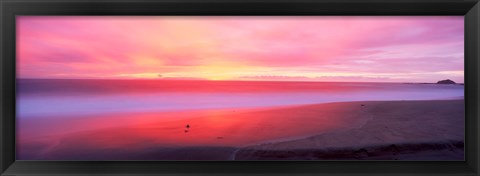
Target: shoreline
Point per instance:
(417, 148)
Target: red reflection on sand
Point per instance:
(228, 127)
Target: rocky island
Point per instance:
(447, 81)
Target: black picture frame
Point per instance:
(470, 9)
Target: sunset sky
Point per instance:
(373, 49)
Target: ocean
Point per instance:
(49, 97)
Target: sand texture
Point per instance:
(412, 130)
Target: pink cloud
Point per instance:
(186, 46)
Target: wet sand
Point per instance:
(349, 130)
(397, 130)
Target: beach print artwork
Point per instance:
(240, 88)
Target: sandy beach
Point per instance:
(349, 130)
(411, 130)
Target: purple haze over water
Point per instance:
(48, 98)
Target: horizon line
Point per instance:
(193, 79)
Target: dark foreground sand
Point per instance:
(397, 130)
(381, 130)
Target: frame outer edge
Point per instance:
(477, 54)
(2, 58)
(471, 51)
(7, 52)
(476, 9)
(472, 66)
